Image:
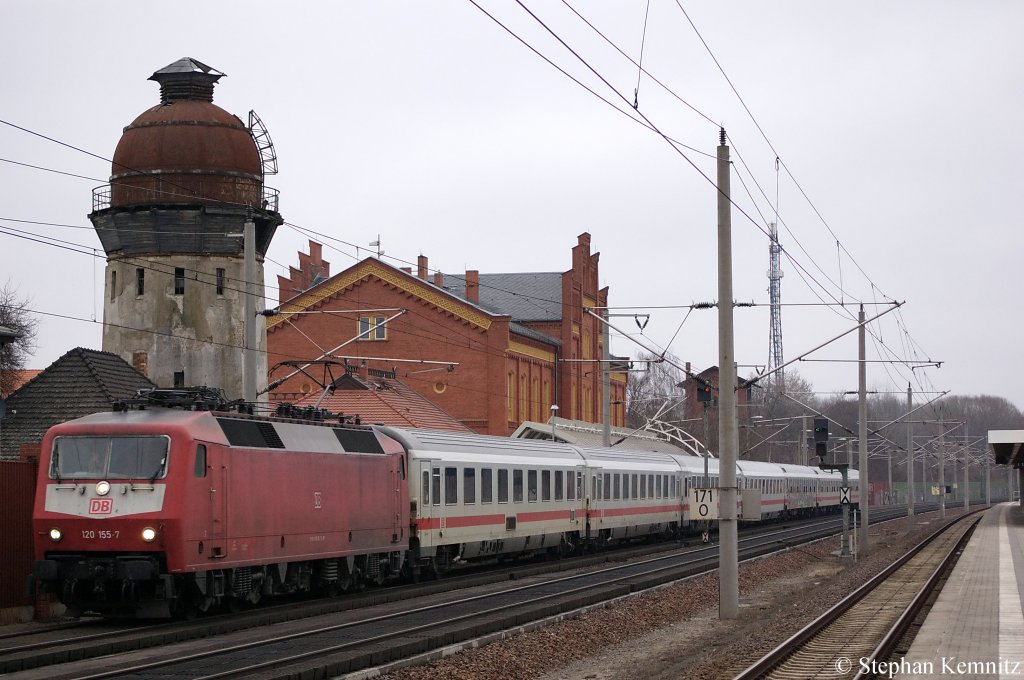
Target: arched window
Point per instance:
(511, 395)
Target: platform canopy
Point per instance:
(1007, 446)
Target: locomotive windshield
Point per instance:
(109, 458)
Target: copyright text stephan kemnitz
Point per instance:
(944, 666)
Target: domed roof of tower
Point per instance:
(186, 150)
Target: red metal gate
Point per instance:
(17, 492)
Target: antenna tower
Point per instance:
(775, 298)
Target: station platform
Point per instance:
(976, 627)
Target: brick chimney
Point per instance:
(439, 279)
(421, 267)
(473, 285)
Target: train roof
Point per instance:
(231, 429)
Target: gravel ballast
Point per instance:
(675, 632)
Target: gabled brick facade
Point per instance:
(483, 347)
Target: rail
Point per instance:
(821, 649)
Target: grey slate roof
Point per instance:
(81, 382)
(535, 296)
(520, 329)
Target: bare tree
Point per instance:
(653, 392)
(14, 316)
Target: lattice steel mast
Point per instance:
(775, 298)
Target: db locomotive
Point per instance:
(170, 505)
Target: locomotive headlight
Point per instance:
(55, 534)
(102, 488)
(148, 534)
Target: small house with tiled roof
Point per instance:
(493, 350)
(377, 396)
(81, 382)
(16, 379)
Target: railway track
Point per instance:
(357, 639)
(863, 629)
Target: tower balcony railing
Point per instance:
(102, 196)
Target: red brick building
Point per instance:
(491, 346)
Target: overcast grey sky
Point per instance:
(429, 124)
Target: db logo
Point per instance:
(318, 500)
(101, 506)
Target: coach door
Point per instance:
(423, 509)
(397, 480)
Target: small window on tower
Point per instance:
(113, 284)
(140, 281)
(179, 379)
(179, 280)
(220, 281)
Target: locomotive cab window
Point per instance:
(142, 458)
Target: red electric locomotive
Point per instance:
(156, 512)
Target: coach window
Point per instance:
(545, 485)
(579, 485)
(607, 486)
(436, 490)
(569, 495)
(486, 486)
(593, 488)
(531, 486)
(503, 486)
(200, 469)
(426, 488)
(469, 486)
(517, 486)
(451, 486)
(559, 484)
(616, 491)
